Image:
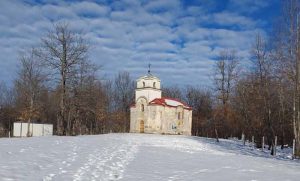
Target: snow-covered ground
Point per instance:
(139, 157)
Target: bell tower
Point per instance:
(148, 87)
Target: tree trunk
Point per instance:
(30, 115)
(217, 136)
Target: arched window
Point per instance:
(154, 84)
(143, 84)
(179, 116)
(142, 108)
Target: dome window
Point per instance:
(142, 108)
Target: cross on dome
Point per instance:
(149, 70)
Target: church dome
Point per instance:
(148, 76)
(148, 81)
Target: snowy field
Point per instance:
(139, 157)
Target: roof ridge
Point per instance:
(162, 101)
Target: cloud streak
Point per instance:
(180, 40)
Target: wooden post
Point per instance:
(243, 138)
(9, 128)
(253, 141)
(263, 143)
(294, 143)
(275, 145)
(21, 130)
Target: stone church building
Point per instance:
(153, 114)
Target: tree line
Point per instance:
(57, 83)
(260, 98)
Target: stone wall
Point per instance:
(161, 119)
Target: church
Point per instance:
(151, 113)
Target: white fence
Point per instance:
(35, 129)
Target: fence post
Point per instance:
(21, 130)
(294, 144)
(253, 141)
(31, 129)
(9, 128)
(243, 138)
(263, 143)
(275, 145)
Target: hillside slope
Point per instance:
(138, 157)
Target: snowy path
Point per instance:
(65, 158)
(137, 157)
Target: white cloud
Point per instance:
(233, 19)
(248, 6)
(127, 35)
(166, 5)
(90, 9)
(152, 46)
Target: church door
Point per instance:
(142, 126)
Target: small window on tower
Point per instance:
(143, 84)
(142, 108)
(179, 116)
(154, 84)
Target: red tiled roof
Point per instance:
(171, 102)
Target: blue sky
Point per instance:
(181, 39)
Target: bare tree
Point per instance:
(172, 92)
(297, 96)
(225, 75)
(7, 111)
(63, 50)
(29, 85)
(123, 96)
(263, 74)
(285, 40)
(202, 103)
(3, 89)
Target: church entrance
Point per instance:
(142, 126)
